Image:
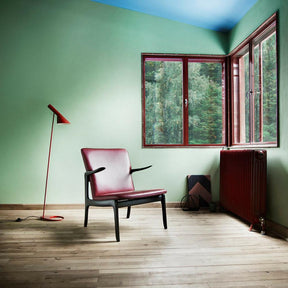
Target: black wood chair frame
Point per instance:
(119, 203)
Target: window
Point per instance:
(254, 89)
(183, 100)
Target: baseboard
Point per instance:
(276, 229)
(73, 206)
(40, 206)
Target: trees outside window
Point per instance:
(206, 94)
(183, 100)
(254, 89)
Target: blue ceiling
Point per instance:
(218, 15)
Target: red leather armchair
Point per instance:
(110, 176)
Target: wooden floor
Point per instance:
(201, 250)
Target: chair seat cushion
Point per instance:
(142, 194)
(131, 194)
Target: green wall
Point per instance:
(277, 202)
(85, 59)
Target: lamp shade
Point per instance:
(60, 118)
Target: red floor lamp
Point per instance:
(60, 120)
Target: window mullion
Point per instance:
(224, 107)
(168, 101)
(185, 102)
(260, 93)
(254, 94)
(251, 95)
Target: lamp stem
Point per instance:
(46, 184)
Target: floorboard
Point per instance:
(199, 249)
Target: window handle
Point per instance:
(185, 102)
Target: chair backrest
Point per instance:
(115, 178)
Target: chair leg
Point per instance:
(128, 211)
(163, 202)
(86, 215)
(116, 220)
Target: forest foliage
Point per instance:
(261, 120)
(166, 121)
(164, 102)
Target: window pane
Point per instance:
(163, 102)
(269, 82)
(257, 97)
(241, 97)
(246, 94)
(254, 89)
(205, 105)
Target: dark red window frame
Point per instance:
(185, 60)
(234, 133)
(230, 120)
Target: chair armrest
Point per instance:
(139, 169)
(88, 173)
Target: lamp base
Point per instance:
(52, 218)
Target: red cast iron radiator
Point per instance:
(243, 179)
